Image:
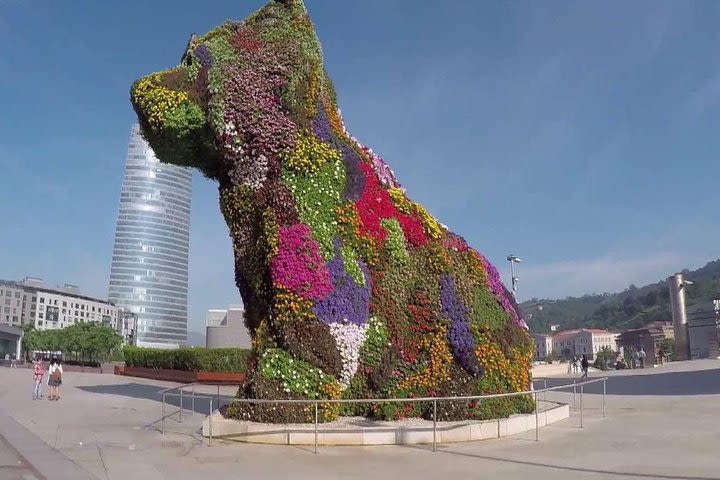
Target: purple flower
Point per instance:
(203, 54)
(461, 339)
(348, 302)
(501, 293)
(355, 178)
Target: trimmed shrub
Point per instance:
(230, 360)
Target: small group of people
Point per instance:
(579, 363)
(54, 378)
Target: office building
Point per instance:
(31, 302)
(149, 271)
(226, 328)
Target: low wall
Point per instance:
(361, 431)
(181, 376)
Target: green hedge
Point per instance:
(189, 359)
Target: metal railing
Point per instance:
(316, 402)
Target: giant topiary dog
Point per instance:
(351, 289)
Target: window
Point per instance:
(34, 299)
(15, 318)
(42, 299)
(7, 301)
(54, 302)
(17, 303)
(64, 304)
(64, 310)
(17, 294)
(40, 315)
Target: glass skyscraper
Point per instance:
(149, 272)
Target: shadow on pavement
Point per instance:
(153, 392)
(580, 469)
(701, 382)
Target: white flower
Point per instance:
(349, 339)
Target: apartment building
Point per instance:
(584, 341)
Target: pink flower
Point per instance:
(298, 265)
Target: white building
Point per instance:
(33, 303)
(543, 345)
(12, 303)
(584, 341)
(226, 328)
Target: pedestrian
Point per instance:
(13, 361)
(38, 374)
(661, 356)
(574, 364)
(55, 373)
(641, 356)
(635, 358)
(585, 366)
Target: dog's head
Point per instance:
(239, 95)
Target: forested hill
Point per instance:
(632, 308)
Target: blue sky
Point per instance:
(582, 136)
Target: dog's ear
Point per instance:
(293, 3)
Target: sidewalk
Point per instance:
(100, 423)
(34, 458)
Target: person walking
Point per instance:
(641, 356)
(13, 361)
(55, 373)
(585, 366)
(661, 356)
(38, 374)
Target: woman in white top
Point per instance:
(55, 373)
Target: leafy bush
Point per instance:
(231, 360)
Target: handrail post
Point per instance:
(316, 426)
(574, 393)
(537, 418)
(604, 394)
(210, 424)
(218, 395)
(582, 387)
(435, 425)
(163, 414)
(193, 399)
(545, 388)
(181, 404)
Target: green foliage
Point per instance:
(84, 341)
(486, 313)
(350, 262)
(604, 357)
(395, 242)
(295, 375)
(318, 197)
(668, 346)
(633, 308)
(230, 360)
(377, 341)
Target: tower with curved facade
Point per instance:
(149, 271)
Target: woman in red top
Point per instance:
(38, 373)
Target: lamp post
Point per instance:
(513, 259)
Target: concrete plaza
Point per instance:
(661, 423)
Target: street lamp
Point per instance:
(513, 259)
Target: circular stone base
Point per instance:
(362, 431)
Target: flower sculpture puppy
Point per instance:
(351, 289)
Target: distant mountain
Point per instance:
(633, 308)
(196, 339)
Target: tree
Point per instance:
(604, 356)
